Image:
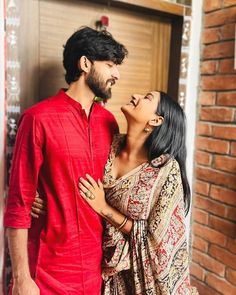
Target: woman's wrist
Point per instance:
(107, 213)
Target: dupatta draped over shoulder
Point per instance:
(153, 259)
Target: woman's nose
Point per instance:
(136, 96)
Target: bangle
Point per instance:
(123, 223)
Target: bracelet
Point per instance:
(123, 223)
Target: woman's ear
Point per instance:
(84, 64)
(157, 121)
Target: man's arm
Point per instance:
(23, 284)
(27, 160)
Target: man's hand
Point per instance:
(25, 287)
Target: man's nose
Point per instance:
(116, 73)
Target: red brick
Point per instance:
(207, 98)
(200, 244)
(210, 5)
(217, 114)
(197, 271)
(220, 284)
(200, 216)
(222, 225)
(203, 158)
(202, 288)
(224, 132)
(220, 17)
(225, 82)
(231, 276)
(228, 32)
(208, 263)
(216, 177)
(226, 98)
(210, 35)
(223, 256)
(203, 128)
(229, 3)
(209, 205)
(202, 187)
(231, 215)
(223, 195)
(233, 148)
(227, 66)
(209, 234)
(218, 50)
(225, 163)
(231, 245)
(212, 145)
(209, 67)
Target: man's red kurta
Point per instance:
(56, 144)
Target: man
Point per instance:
(60, 140)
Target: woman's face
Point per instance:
(142, 108)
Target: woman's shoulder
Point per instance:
(164, 161)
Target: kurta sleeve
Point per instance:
(158, 245)
(27, 159)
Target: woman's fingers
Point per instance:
(84, 196)
(38, 200)
(83, 188)
(37, 205)
(34, 215)
(36, 210)
(85, 184)
(100, 184)
(91, 180)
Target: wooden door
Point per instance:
(146, 36)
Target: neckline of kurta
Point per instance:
(75, 104)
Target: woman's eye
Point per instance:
(147, 97)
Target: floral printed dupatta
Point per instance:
(153, 259)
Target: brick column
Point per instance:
(213, 267)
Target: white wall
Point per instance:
(192, 88)
(2, 137)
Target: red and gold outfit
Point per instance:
(56, 145)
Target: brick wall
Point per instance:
(213, 267)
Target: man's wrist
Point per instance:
(21, 276)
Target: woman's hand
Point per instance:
(93, 193)
(38, 207)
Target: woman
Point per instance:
(147, 195)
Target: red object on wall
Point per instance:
(105, 21)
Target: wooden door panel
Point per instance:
(147, 38)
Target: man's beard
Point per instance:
(97, 85)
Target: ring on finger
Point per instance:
(88, 194)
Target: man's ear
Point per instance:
(84, 64)
(157, 121)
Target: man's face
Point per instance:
(102, 77)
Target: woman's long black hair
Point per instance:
(170, 138)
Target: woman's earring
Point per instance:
(146, 129)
